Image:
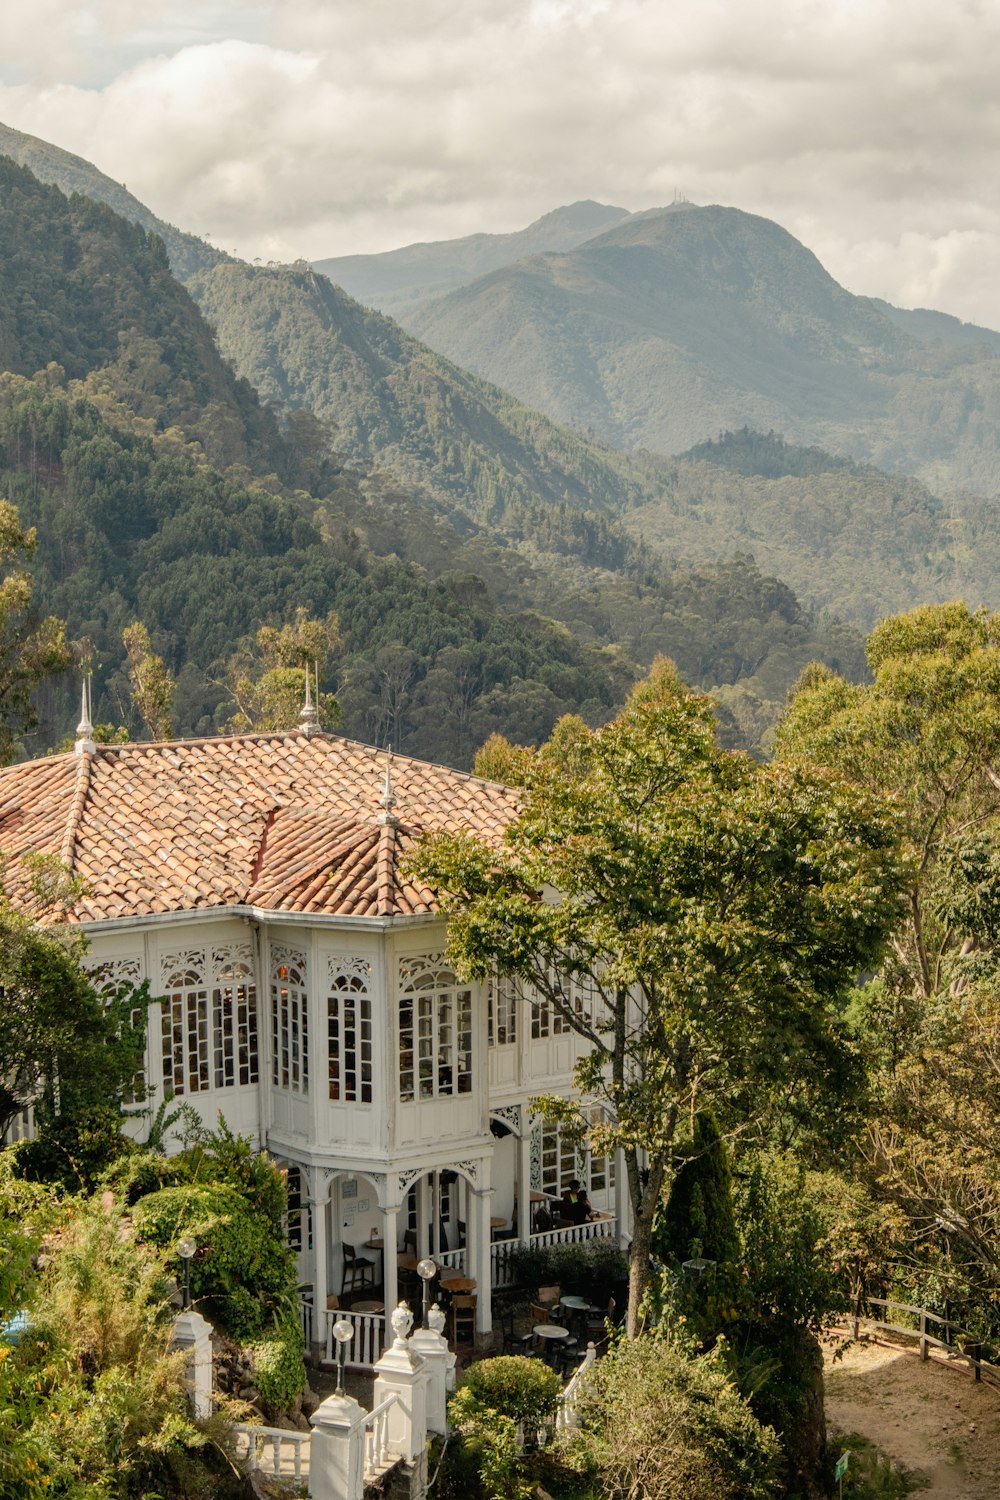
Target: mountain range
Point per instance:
(410, 460)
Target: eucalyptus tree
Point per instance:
(695, 917)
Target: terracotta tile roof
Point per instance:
(284, 822)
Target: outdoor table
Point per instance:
(455, 1281)
(367, 1307)
(407, 1262)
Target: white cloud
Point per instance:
(318, 127)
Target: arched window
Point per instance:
(289, 1021)
(435, 1030)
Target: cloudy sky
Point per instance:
(869, 128)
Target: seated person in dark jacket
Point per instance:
(578, 1208)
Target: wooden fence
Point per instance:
(947, 1343)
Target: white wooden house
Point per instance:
(302, 988)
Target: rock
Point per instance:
(249, 1393)
(310, 1400)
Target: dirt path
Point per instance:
(931, 1418)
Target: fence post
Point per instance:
(337, 1450)
(194, 1335)
(402, 1372)
(923, 1333)
(432, 1346)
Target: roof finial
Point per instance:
(387, 818)
(85, 741)
(309, 717)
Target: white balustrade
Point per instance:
(451, 1260)
(575, 1234)
(272, 1450)
(566, 1411)
(378, 1454)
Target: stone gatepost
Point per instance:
(403, 1372)
(193, 1334)
(337, 1450)
(432, 1346)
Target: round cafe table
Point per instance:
(454, 1281)
(367, 1307)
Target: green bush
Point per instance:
(592, 1269)
(243, 1270)
(670, 1426)
(523, 1389)
(279, 1372)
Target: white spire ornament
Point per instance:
(309, 717)
(85, 742)
(387, 818)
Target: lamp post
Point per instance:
(343, 1332)
(426, 1270)
(186, 1249)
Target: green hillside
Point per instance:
(396, 281)
(87, 290)
(71, 174)
(683, 322)
(302, 341)
(449, 631)
(849, 538)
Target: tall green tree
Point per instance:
(926, 734)
(693, 916)
(63, 1047)
(151, 682)
(30, 650)
(268, 684)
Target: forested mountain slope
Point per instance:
(86, 289)
(398, 280)
(848, 537)
(682, 322)
(445, 638)
(186, 252)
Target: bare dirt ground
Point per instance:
(931, 1418)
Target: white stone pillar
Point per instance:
(524, 1203)
(194, 1335)
(431, 1344)
(482, 1269)
(337, 1450)
(320, 1217)
(402, 1372)
(390, 1283)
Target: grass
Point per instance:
(871, 1475)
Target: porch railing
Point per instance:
(306, 1310)
(272, 1450)
(501, 1251)
(453, 1260)
(367, 1344)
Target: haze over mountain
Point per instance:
(679, 323)
(397, 281)
(162, 489)
(460, 477)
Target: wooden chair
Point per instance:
(410, 1241)
(463, 1315)
(545, 1303)
(597, 1332)
(514, 1342)
(358, 1270)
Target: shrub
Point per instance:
(670, 1426)
(242, 1269)
(279, 1373)
(523, 1389)
(593, 1268)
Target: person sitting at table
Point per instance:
(577, 1211)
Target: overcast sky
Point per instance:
(285, 128)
